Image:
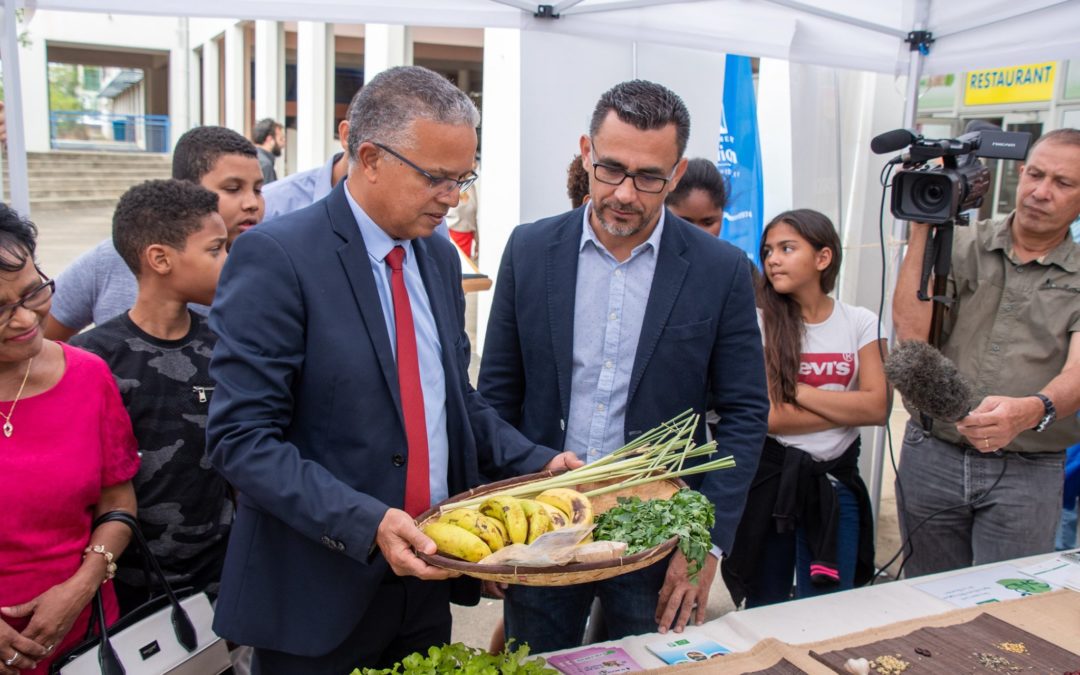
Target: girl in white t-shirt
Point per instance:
(808, 510)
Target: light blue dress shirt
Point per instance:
(428, 347)
(609, 307)
(298, 190)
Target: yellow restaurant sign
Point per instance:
(1015, 84)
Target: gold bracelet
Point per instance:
(110, 566)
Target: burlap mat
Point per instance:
(1055, 617)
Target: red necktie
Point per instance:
(417, 491)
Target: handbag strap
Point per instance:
(182, 626)
(108, 661)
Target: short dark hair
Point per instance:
(18, 239)
(263, 129)
(199, 149)
(577, 182)
(159, 212)
(647, 106)
(701, 174)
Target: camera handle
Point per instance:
(937, 260)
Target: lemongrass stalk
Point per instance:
(726, 463)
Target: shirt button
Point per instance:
(618, 273)
(995, 348)
(613, 316)
(398, 459)
(593, 451)
(600, 407)
(1007, 308)
(609, 364)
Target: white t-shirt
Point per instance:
(830, 361)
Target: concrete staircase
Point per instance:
(83, 180)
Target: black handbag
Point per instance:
(169, 634)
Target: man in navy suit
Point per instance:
(611, 319)
(331, 415)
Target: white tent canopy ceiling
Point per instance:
(861, 34)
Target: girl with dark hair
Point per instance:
(700, 196)
(808, 508)
(67, 455)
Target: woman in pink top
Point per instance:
(67, 455)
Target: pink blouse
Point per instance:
(68, 443)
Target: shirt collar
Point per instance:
(1064, 255)
(376, 240)
(652, 243)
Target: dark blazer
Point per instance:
(699, 348)
(306, 423)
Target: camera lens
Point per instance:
(930, 194)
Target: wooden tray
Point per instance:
(560, 575)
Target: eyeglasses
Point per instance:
(643, 182)
(37, 298)
(439, 184)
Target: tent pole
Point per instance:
(19, 199)
(896, 241)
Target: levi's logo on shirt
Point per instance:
(818, 370)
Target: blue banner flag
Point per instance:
(740, 157)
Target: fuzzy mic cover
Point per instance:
(929, 381)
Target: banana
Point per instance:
(477, 523)
(499, 527)
(508, 510)
(457, 541)
(575, 505)
(539, 520)
(558, 518)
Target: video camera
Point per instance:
(940, 193)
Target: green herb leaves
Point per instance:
(459, 658)
(687, 515)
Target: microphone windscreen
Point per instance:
(929, 381)
(891, 141)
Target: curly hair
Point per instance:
(577, 182)
(18, 239)
(159, 212)
(199, 149)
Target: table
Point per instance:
(819, 618)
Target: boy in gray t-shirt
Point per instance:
(99, 286)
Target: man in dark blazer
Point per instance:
(312, 421)
(611, 319)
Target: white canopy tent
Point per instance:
(863, 35)
(870, 36)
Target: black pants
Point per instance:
(405, 616)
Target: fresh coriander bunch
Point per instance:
(461, 659)
(687, 514)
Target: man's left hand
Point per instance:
(679, 598)
(563, 461)
(998, 420)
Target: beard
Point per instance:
(276, 150)
(626, 227)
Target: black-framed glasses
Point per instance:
(33, 300)
(643, 182)
(439, 184)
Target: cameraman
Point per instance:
(993, 480)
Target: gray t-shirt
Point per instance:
(95, 288)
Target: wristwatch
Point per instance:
(1049, 413)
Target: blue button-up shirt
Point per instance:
(609, 307)
(299, 189)
(428, 347)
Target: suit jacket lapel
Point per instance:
(561, 277)
(357, 266)
(671, 268)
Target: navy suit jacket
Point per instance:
(699, 348)
(306, 423)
